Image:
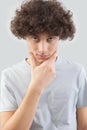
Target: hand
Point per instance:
(44, 73)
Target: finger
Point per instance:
(53, 57)
(56, 58)
(32, 59)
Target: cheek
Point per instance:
(31, 47)
(53, 47)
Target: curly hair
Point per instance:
(43, 16)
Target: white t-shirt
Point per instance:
(57, 106)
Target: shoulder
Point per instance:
(11, 71)
(70, 65)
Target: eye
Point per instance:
(34, 38)
(51, 38)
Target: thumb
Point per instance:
(32, 59)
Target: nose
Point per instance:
(43, 47)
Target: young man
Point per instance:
(44, 91)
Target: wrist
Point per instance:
(36, 87)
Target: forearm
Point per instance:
(23, 117)
(84, 128)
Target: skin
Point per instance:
(42, 44)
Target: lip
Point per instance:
(42, 57)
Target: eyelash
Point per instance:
(51, 38)
(35, 38)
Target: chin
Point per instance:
(40, 61)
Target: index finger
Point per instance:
(52, 58)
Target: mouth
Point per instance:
(42, 57)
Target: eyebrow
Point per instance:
(37, 35)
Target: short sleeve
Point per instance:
(82, 95)
(7, 97)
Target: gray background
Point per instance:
(13, 50)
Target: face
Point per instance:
(42, 46)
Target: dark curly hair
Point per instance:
(43, 16)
